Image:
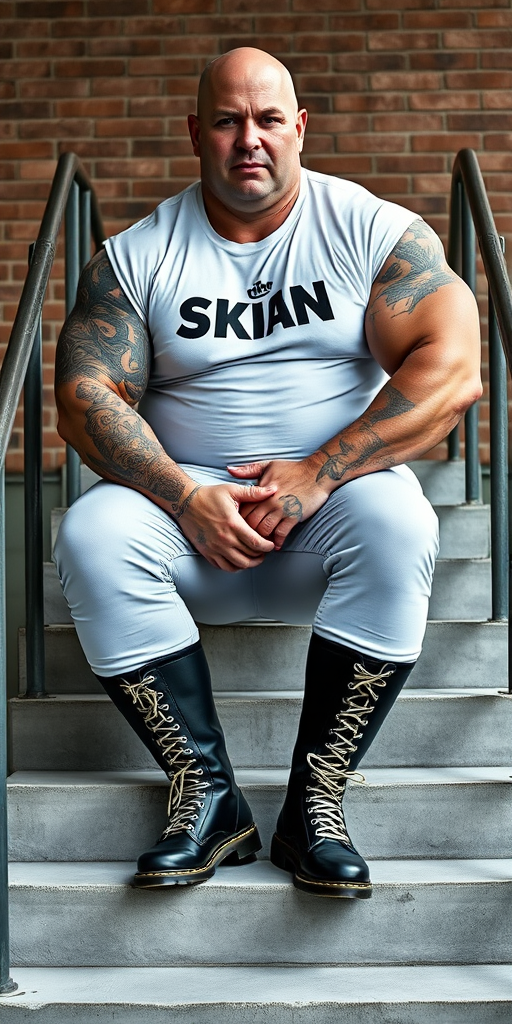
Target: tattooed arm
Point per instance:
(102, 370)
(422, 328)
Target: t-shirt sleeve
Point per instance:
(134, 257)
(389, 223)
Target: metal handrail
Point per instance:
(470, 214)
(71, 194)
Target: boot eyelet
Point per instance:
(188, 750)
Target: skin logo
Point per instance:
(258, 289)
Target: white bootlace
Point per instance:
(330, 771)
(187, 790)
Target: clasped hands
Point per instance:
(235, 525)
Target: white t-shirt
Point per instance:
(259, 348)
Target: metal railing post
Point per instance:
(7, 985)
(471, 418)
(453, 258)
(34, 583)
(72, 275)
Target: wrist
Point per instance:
(317, 462)
(186, 498)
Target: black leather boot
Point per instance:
(169, 704)
(347, 697)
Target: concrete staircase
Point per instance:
(434, 944)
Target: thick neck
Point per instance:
(250, 226)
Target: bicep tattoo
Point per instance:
(103, 337)
(418, 269)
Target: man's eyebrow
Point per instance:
(224, 112)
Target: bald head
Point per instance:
(248, 135)
(244, 63)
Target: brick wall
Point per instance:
(394, 88)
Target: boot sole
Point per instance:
(284, 857)
(239, 849)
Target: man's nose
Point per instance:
(248, 136)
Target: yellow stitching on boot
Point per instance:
(196, 871)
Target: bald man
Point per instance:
(248, 369)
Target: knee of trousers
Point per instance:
(388, 536)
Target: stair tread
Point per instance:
(260, 874)
(265, 777)
(247, 696)
(176, 987)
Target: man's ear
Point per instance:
(193, 127)
(302, 118)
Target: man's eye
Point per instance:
(226, 121)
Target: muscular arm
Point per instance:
(422, 328)
(102, 370)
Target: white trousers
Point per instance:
(360, 570)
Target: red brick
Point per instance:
(51, 48)
(437, 19)
(496, 59)
(378, 5)
(273, 44)
(130, 168)
(126, 86)
(493, 19)
(90, 108)
(84, 28)
(23, 190)
(479, 122)
(183, 86)
(498, 141)
(191, 44)
(435, 183)
(127, 210)
(328, 42)
(19, 69)
(111, 188)
(17, 29)
(339, 164)
(7, 90)
(369, 102)
(410, 163)
(369, 62)
(497, 182)
(152, 189)
(26, 150)
(440, 61)
(126, 47)
(289, 23)
(118, 8)
(152, 106)
(47, 9)
(445, 101)
(187, 7)
(444, 143)
(318, 144)
(24, 109)
(31, 169)
(398, 41)
(6, 51)
(405, 81)
(163, 66)
(371, 143)
(315, 104)
(388, 22)
(92, 148)
(185, 167)
(479, 80)
(330, 83)
(477, 40)
(153, 26)
(326, 5)
(497, 100)
(62, 129)
(408, 122)
(338, 123)
(89, 68)
(33, 89)
(386, 184)
(7, 129)
(129, 127)
(307, 64)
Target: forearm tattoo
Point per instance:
(369, 443)
(103, 338)
(419, 268)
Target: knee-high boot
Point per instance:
(347, 697)
(170, 706)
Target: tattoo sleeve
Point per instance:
(104, 354)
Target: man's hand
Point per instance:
(213, 523)
(297, 495)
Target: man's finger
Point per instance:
(243, 494)
(249, 470)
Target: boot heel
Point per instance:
(279, 857)
(246, 850)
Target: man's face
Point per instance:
(248, 136)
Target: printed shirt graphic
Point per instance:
(259, 349)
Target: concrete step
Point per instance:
(464, 531)
(442, 912)
(273, 655)
(476, 994)
(443, 483)
(405, 813)
(72, 732)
